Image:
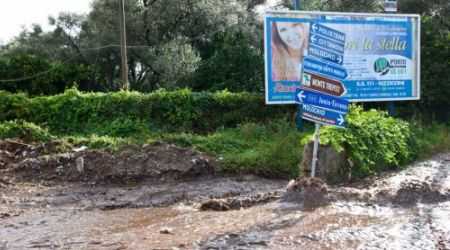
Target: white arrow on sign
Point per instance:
(313, 39)
(301, 96)
(339, 59)
(340, 120)
(315, 28)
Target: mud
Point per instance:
(409, 209)
(45, 162)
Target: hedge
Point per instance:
(124, 113)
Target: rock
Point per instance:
(215, 205)
(166, 230)
(4, 216)
(60, 170)
(312, 192)
(82, 148)
(80, 164)
(332, 166)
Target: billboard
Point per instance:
(382, 54)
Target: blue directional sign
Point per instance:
(320, 100)
(323, 54)
(322, 108)
(322, 116)
(329, 44)
(312, 65)
(328, 32)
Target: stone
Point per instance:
(332, 166)
(80, 164)
(166, 230)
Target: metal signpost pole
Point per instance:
(315, 150)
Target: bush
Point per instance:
(126, 113)
(24, 130)
(373, 141)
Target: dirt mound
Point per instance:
(312, 192)
(418, 191)
(159, 160)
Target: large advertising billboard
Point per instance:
(382, 54)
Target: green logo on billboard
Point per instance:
(382, 66)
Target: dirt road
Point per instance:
(402, 210)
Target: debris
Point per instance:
(236, 203)
(215, 205)
(166, 230)
(312, 192)
(80, 149)
(130, 164)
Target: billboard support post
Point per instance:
(389, 8)
(298, 114)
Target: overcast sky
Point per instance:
(14, 14)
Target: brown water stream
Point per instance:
(409, 209)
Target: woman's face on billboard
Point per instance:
(292, 34)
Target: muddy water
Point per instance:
(409, 209)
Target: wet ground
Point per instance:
(409, 209)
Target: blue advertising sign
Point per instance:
(327, 44)
(323, 116)
(323, 101)
(313, 65)
(382, 54)
(333, 34)
(325, 54)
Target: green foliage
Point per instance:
(166, 43)
(435, 64)
(373, 141)
(130, 113)
(37, 76)
(234, 65)
(430, 139)
(24, 130)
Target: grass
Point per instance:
(431, 139)
(273, 149)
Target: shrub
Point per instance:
(23, 130)
(373, 141)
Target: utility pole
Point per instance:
(123, 47)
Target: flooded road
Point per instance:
(409, 209)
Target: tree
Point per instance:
(235, 64)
